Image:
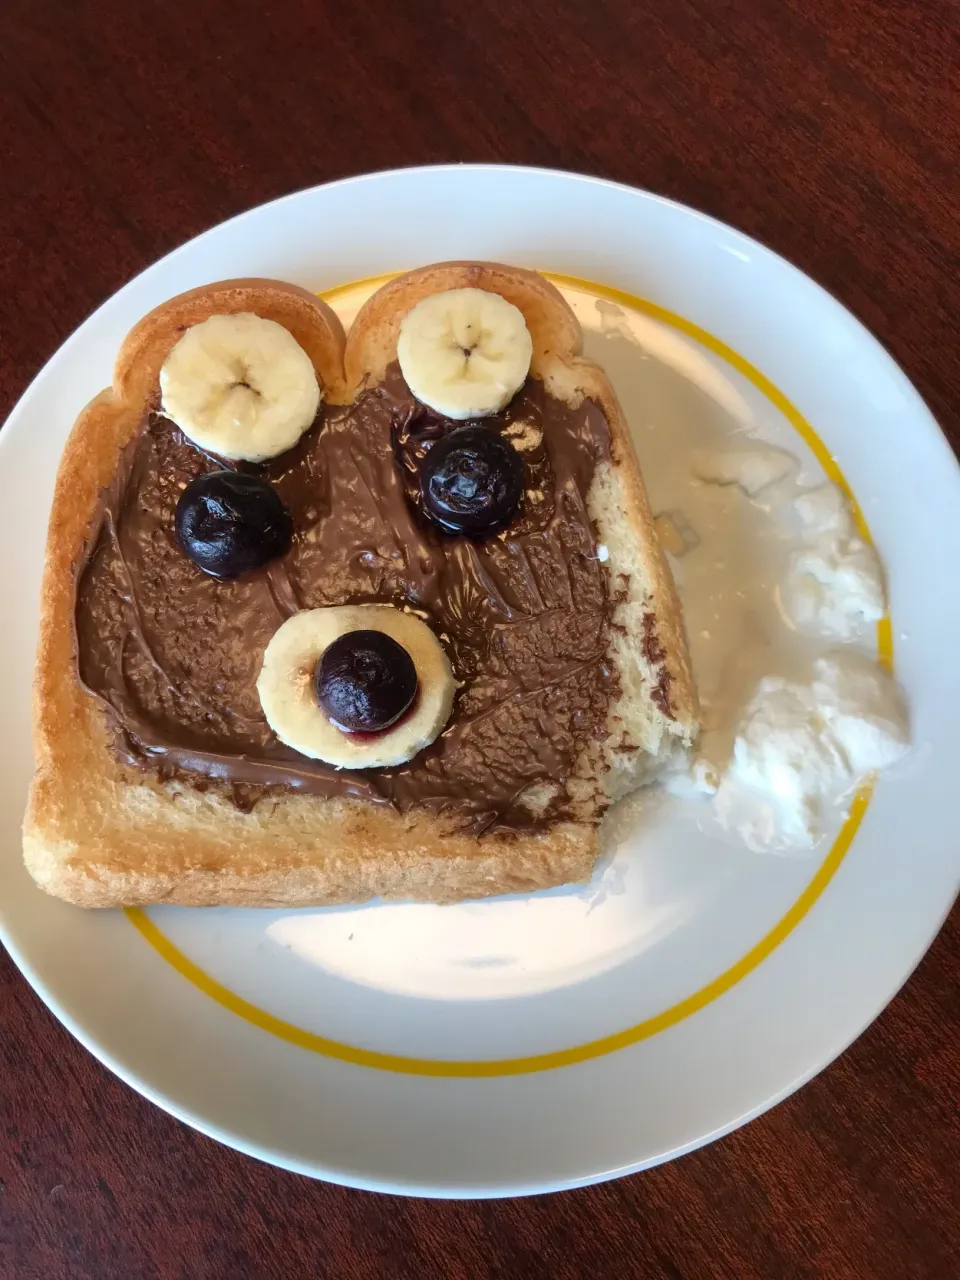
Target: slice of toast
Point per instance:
(100, 831)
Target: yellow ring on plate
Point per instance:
(691, 1004)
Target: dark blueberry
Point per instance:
(365, 681)
(228, 523)
(471, 482)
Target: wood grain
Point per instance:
(826, 128)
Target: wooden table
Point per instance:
(826, 128)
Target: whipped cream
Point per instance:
(751, 469)
(804, 745)
(835, 583)
(773, 576)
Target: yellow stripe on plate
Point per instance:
(699, 999)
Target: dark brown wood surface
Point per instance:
(830, 129)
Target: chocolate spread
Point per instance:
(524, 615)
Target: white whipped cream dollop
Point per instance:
(804, 745)
(752, 468)
(835, 583)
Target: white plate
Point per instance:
(531, 1043)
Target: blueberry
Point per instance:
(365, 681)
(471, 482)
(228, 522)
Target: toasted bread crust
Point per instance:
(100, 834)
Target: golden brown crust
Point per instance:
(99, 834)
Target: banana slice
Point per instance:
(240, 386)
(286, 687)
(464, 352)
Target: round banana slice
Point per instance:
(464, 352)
(286, 687)
(240, 386)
